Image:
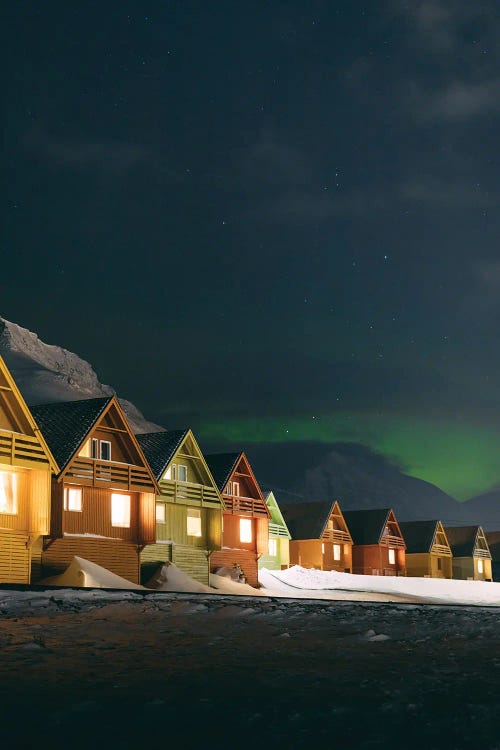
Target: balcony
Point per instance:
(336, 536)
(393, 541)
(244, 506)
(21, 450)
(276, 530)
(187, 493)
(97, 473)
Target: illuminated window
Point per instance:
(330, 524)
(8, 493)
(245, 530)
(392, 557)
(173, 472)
(182, 473)
(101, 449)
(193, 522)
(273, 547)
(120, 510)
(322, 549)
(160, 512)
(480, 566)
(336, 551)
(73, 499)
(346, 549)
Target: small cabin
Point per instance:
(103, 494)
(188, 508)
(379, 546)
(278, 554)
(245, 517)
(493, 539)
(320, 536)
(471, 553)
(428, 553)
(26, 466)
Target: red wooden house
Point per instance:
(379, 547)
(245, 518)
(103, 496)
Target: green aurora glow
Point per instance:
(460, 459)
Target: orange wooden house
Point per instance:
(320, 536)
(26, 465)
(379, 547)
(245, 517)
(103, 495)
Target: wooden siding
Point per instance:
(231, 533)
(95, 517)
(373, 559)
(466, 568)
(191, 560)
(33, 502)
(175, 526)
(22, 450)
(188, 493)
(246, 559)
(120, 557)
(426, 565)
(281, 559)
(309, 554)
(121, 476)
(244, 506)
(15, 560)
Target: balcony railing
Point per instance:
(337, 536)
(185, 492)
(21, 450)
(393, 541)
(245, 506)
(97, 473)
(276, 530)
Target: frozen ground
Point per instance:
(126, 669)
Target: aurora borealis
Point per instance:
(273, 222)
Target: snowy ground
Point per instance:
(94, 668)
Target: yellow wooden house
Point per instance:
(26, 465)
(189, 508)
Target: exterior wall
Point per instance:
(175, 526)
(425, 564)
(245, 558)
(121, 557)
(231, 533)
(373, 559)
(281, 559)
(466, 568)
(15, 559)
(309, 554)
(193, 561)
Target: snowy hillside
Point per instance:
(46, 373)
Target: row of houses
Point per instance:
(76, 480)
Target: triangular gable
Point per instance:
(16, 418)
(275, 512)
(440, 544)
(189, 449)
(243, 471)
(160, 448)
(391, 531)
(335, 522)
(481, 548)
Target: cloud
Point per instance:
(458, 101)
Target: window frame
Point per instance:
(194, 514)
(12, 477)
(68, 490)
(164, 512)
(246, 523)
(126, 525)
(391, 556)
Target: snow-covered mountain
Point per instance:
(46, 373)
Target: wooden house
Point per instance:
(278, 553)
(493, 539)
(245, 517)
(428, 553)
(320, 536)
(471, 554)
(188, 508)
(26, 465)
(379, 546)
(103, 494)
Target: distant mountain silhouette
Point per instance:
(484, 509)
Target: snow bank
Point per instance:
(227, 586)
(438, 590)
(169, 577)
(89, 575)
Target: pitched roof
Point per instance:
(462, 539)
(221, 467)
(418, 535)
(366, 526)
(160, 447)
(64, 425)
(493, 539)
(307, 520)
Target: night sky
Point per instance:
(271, 221)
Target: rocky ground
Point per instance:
(119, 670)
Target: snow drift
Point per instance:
(87, 574)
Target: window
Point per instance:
(160, 512)
(182, 473)
(330, 524)
(322, 549)
(8, 493)
(73, 499)
(193, 522)
(236, 489)
(245, 530)
(392, 557)
(336, 551)
(273, 547)
(120, 510)
(101, 449)
(480, 566)
(173, 472)
(440, 563)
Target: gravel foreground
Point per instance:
(93, 669)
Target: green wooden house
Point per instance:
(278, 554)
(189, 508)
